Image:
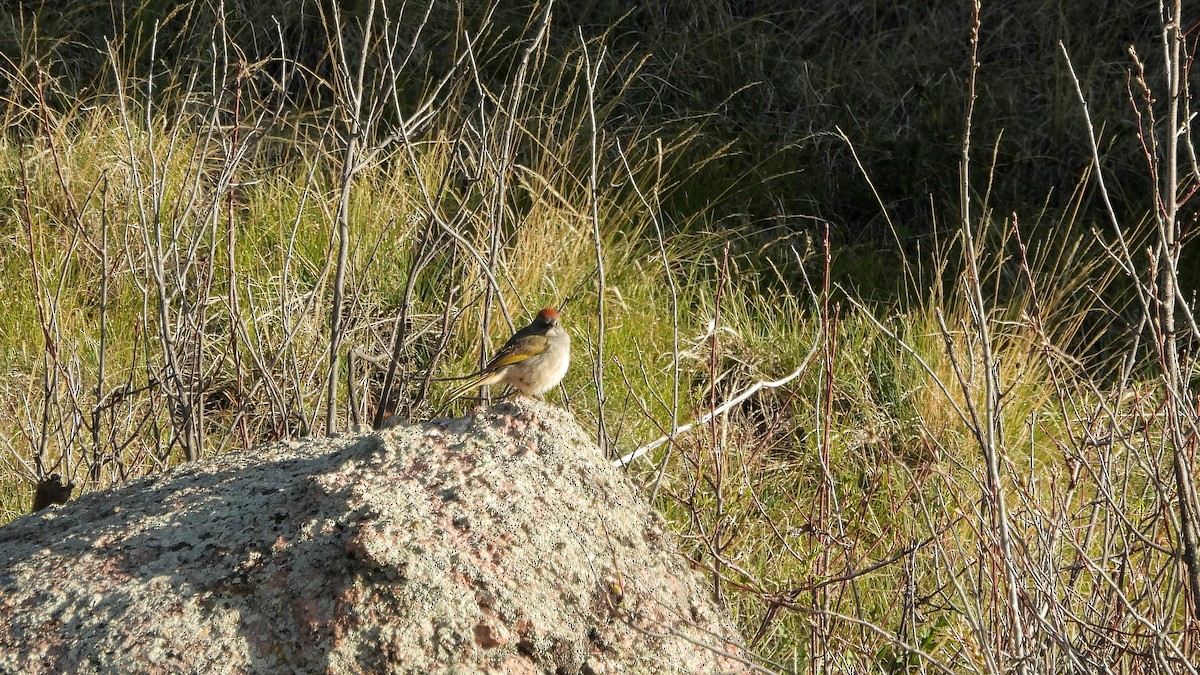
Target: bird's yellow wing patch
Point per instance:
(529, 346)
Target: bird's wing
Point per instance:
(518, 350)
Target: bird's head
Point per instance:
(548, 317)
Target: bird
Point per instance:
(533, 360)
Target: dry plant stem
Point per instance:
(431, 206)
(511, 111)
(725, 407)
(416, 119)
(68, 197)
(355, 133)
(1178, 400)
(290, 321)
(886, 635)
(447, 227)
(102, 350)
(591, 75)
(819, 638)
(990, 436)
(1125, 258)
(674, 316)
(755, 587)
(352, 410)
(421, 259)
(883, 209)
(750, 665)
(399, 331)
(50, 377)
(176, 388)
(49, 346)
(1162, 638)
(652, 210)
(718, 454)
(444, 343)
(231, 264)
(1160, 302)
(183, 384)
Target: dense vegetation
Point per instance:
(965, 320)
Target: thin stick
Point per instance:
(653, 211)
(990, 436)
(718, 454)
(235, 314)
(97, 457)
(350, 159)
(602, 287)
(1178, 400)
(721, 409)
(50, 348)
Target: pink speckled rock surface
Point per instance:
(502, 543)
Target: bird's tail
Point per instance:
(474, 381)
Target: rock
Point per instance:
(503, 543)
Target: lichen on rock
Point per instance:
(499, 543)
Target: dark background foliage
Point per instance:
(840, 113)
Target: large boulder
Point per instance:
(500, 543)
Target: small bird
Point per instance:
(532, 361)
